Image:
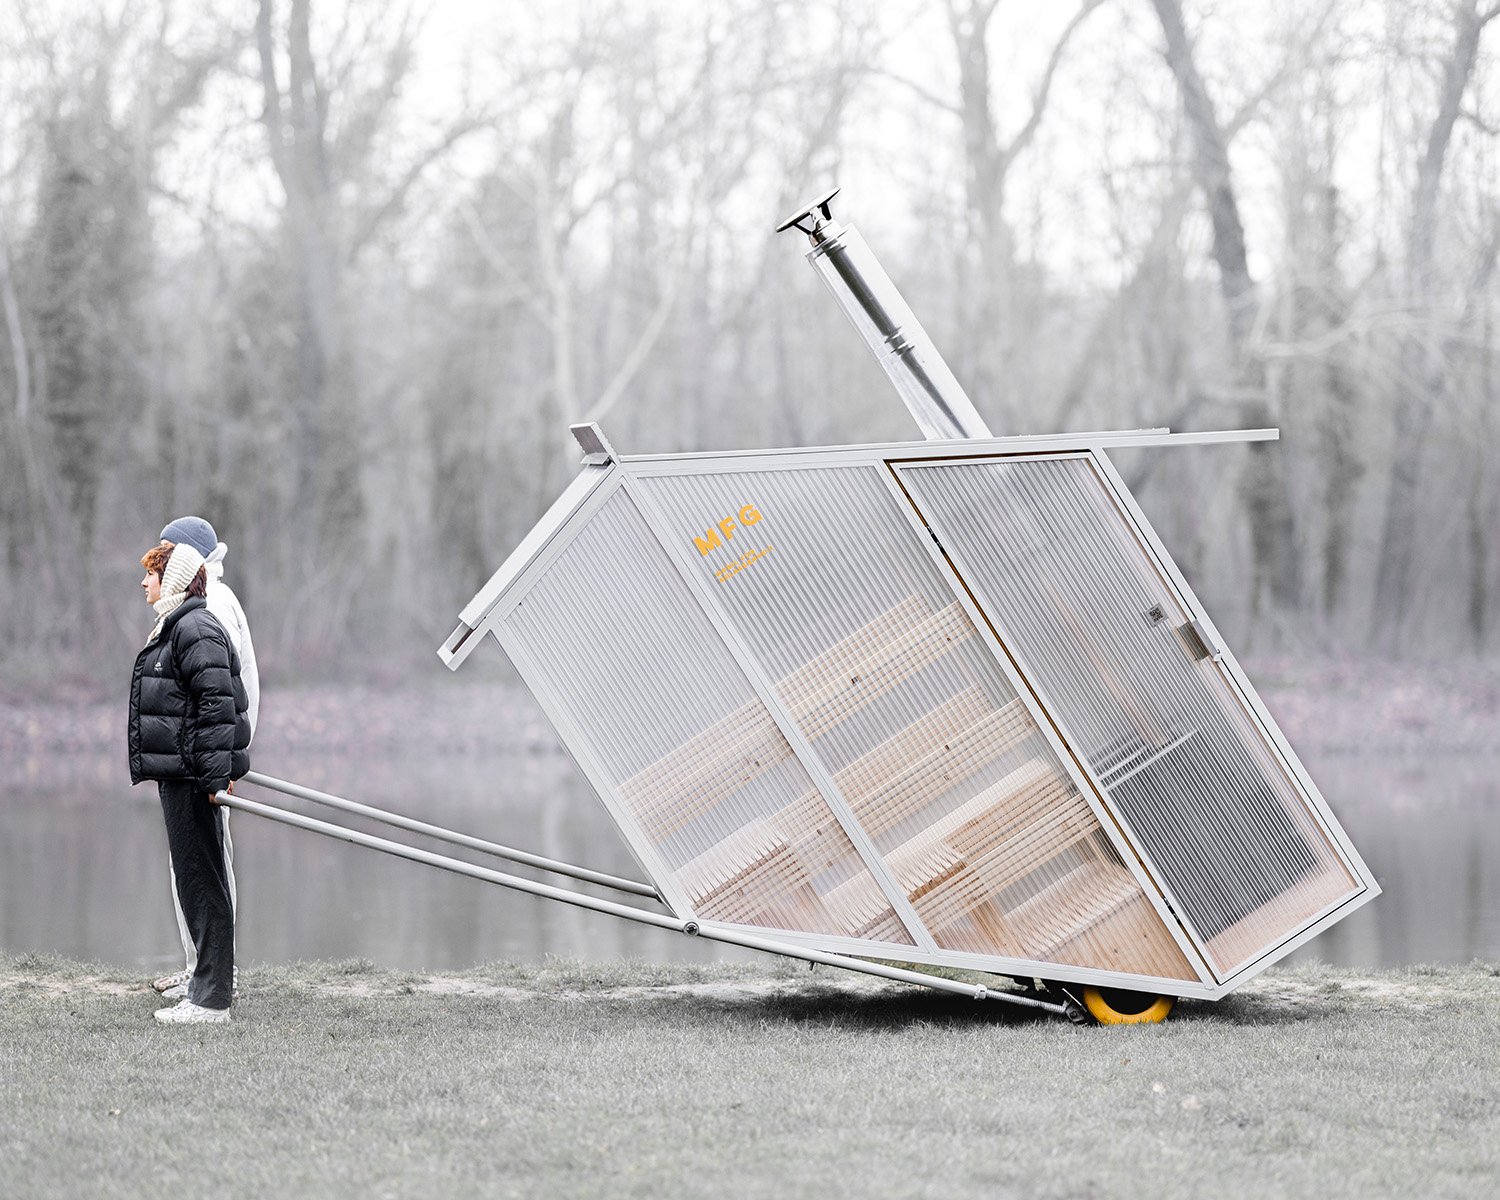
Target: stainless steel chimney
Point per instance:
(891, 330)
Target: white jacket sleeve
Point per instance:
(225, 605)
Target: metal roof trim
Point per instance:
(973, 447)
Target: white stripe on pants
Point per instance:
(189, 950)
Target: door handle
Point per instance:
(1200, 643)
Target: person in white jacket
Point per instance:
(225, 606)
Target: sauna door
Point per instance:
(1114, 652)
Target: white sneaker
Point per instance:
(166, 983)
(178, 991)
(188, 1013)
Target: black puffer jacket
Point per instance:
(189, 715)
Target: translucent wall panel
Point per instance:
(824, 576)
(612, 636)
(1051, 559)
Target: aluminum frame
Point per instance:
(1244, 691)
(598, 483)
(1154, 555)
(732, 935)
(1042, 712)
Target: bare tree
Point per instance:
(325, 119)
(1422, 377)
(1268, 509)
(989, 158)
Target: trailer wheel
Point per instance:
(1112, 1006)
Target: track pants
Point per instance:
(190, 951)
(195, 837)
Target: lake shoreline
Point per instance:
(1323, 705)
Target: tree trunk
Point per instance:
(1263, 489)
(327, 443)
(989, 324)
(990, 330)
(1421, 369)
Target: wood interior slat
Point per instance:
(697, 775)
(741, 851)
(954, 869)
(883, 669)
(1005, 805)
(1011, 819)
(879, 768)
(833, 667)
(1273, 921)
(771, 885)
(906, 773)
(943, 768)
(985, 876)
(1130, 938)
(1067, 907)
(705, 771)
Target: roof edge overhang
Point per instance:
(975, 447)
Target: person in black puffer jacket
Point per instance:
(189, 730)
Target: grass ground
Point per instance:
(633, 1080)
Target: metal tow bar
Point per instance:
(563, 895)
(447, 835)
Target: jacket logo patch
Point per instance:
(158, 664)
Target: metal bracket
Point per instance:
(597, 449)
(1200, 642)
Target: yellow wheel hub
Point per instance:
(1110, 1006)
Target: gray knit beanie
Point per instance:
(195, 531)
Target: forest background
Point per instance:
(339, 274)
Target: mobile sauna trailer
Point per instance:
(948, 703)
(945, 703)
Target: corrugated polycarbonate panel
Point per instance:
(823, 576)
(1055, 565)
(612, 637)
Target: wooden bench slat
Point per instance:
(836, 663)
(883, 670)
(770, 885)
(985, 876)
(906, 772)
(725, 860)
(699, 774)
(1128, 938)
(698, 782)
(882, 766)
(1067, 907)
(943, 768)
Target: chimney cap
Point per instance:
(817, 210)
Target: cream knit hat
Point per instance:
(175, 577)
(180, 569)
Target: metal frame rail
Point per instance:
(548, 892)
(457, 839)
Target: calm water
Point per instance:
(83, 865)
